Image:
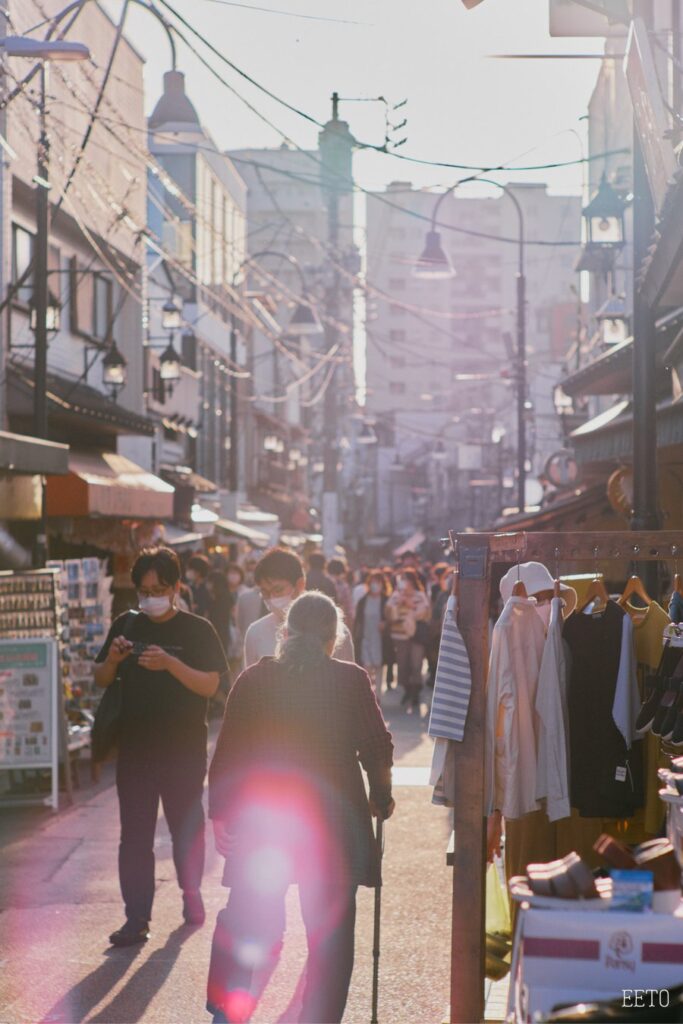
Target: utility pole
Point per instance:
(335, 142)
(40, 300)
(645, 506)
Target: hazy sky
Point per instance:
(462, 107)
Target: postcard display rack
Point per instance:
(86, 600)
(52, 621)
(32, 723)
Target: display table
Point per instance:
(564, 957)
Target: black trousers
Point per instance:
(141, 784)
(248, 939)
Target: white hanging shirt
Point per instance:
(511, 719)
(552, 765)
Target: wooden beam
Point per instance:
(641, 546)
(469, 853)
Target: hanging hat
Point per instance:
(537, 580)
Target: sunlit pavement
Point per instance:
(60, 900)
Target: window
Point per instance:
(397, 387)
(23, 244)
(397, 335)
(102, 308)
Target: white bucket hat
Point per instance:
(536, 579)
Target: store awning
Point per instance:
(411, 544)
(20, 453)
(569, 510)
(181, 540)
(609, 436)
(183, 476)
(233, 529)
(71, 402)
(107, 484)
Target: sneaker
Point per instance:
(193, 907)
(130, 934)
(646, 715)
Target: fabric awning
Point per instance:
(107, 484)
(255, 537)
(20, 453)
(183, 476)
(411, 544)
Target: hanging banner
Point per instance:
(29, 707)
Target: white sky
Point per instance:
(462, 107)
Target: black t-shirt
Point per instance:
(159, 715)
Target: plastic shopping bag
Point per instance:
(497, 904)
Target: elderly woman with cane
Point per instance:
(288, 804)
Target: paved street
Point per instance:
(60, 900)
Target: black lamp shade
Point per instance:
(171, 315)
(114, 367)
(305, 320)
(604, 216)
(434, 263)
(169, 365)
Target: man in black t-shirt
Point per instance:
(169, 663)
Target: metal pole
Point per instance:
(234, 454)
(521, 362)
(330, 508)
(40, 302)
(645, 510)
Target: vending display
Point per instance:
(30, 605)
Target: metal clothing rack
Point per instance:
(476, 554)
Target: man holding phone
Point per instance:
(170, 663)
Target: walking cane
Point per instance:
(378, 910)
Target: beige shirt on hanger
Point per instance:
(511, 719)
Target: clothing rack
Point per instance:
(476, 554)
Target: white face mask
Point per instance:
(155, 607)
(401, 585)
(191, 576)
(543, 611)
(278, 605)
(375, 588)
(233, 577)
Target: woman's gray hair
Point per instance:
(313, 622)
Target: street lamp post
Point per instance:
(434, 264)
(304, 321)
(42, 51)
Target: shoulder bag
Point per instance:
(107, 723)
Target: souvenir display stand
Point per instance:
(476, 555)
(32, 723)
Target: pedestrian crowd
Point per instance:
(294, 657)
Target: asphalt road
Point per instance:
(60, 899)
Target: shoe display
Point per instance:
(668, 700)
(676, 738)
(193, 908)
(130, 934)
(646, 715)
(671, 717)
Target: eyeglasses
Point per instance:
(161, 591)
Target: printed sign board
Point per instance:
(29, 708)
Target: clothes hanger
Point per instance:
(634, 586)
(519, 589)
(557, 588)
(596, 593)
(678, 580)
